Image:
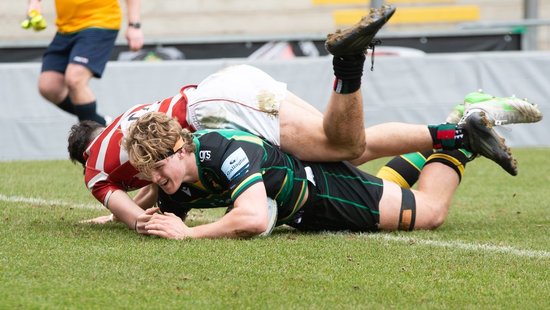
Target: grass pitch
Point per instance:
(492, 252)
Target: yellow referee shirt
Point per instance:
(75, 15)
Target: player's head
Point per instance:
(80, 136)
(152, 138)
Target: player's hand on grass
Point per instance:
(144, 218)
(167, 225)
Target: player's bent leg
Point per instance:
(303, 135)
(343, 123)
(404, 169)
(392, 139)
(425, 208)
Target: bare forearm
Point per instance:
(230, 226)
(124, 208)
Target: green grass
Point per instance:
(48, 260)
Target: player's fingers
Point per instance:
(152, 210)
(157, 217)
(158, 233)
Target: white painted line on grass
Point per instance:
(462, 245)
(45, 202)
(378, 236)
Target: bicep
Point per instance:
(253, 202)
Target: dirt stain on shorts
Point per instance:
(267, 103)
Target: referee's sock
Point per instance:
(88, 111)
(67, 105)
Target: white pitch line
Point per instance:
(462, 245)
(381, 236)
(45, 202)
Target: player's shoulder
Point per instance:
(227, 135)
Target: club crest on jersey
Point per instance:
(235, 164)
(204, 155)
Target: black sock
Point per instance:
(348, 71)
(67, 105)
(88, 112)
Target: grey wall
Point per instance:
(419, 89)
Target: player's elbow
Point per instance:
(252, 225)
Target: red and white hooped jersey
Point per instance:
(107, 166)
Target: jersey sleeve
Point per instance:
(99, 185)
(241, 166)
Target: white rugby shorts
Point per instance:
(238, 97)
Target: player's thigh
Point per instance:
(390, 206)
(302, 132)
(296, 101)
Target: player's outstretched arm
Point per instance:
(145, 198)
(248, 218)
(124, 208)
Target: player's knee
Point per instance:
(355, 149)
(436, 218)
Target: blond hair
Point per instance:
(152, 138)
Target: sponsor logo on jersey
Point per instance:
(186, 190)
(235, 164)
(204, 155)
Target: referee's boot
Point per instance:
(480, 138)
(356, 39)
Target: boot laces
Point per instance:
(371, 46)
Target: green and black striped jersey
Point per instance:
(229, 162)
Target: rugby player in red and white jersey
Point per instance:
(106, 165)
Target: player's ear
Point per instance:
(182, 153)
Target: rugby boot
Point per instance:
(356, 39)
(480, 138)
(499, 111)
